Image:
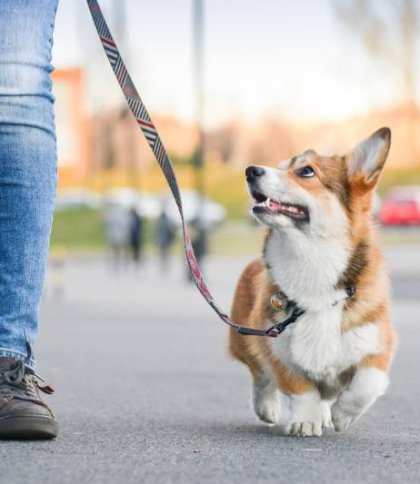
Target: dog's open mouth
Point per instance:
(264, 204)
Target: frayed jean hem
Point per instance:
(18, 355)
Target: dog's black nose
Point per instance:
(253, 172)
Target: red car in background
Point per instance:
(401, 206)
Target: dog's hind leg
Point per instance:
(265, 396)
(248, 350)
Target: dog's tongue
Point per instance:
(275, 205)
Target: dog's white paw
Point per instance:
(304, 429)
(266, 404)
(304, 417)
(342, 419)
(326, 415)
(365, 387)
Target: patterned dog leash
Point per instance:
(149, 130)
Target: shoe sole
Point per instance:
(28, 428)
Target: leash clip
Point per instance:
(278, 328)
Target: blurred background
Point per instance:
(145, 392)
(228, 85)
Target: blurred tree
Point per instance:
(388, 30)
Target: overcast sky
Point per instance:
(284, 58)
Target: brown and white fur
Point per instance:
(327, 368)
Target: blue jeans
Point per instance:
(27, 167)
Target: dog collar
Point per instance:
(280, 301)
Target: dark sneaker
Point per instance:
(23, 415)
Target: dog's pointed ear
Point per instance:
(366, 161)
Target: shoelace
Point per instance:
(16, 382)
(19, 382)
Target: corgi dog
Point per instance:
(322, 255)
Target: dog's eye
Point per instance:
(305, 172)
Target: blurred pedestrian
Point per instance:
(136, 235)
(117, 234)
(199, 243)
(165, 236)
(28, 166)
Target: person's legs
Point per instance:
(27, 167)
(27, 193)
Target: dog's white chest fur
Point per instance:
(308, 274)
(316, 345)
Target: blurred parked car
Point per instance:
(376, 205)
(73, 198)
(401, 206)
(146, 205)
(202, 211)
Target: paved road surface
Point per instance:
(145, 392)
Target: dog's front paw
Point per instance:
(342, 418)
(366, 386)
(326, 415)
(304, 429)
(305, 416)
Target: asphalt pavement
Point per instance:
(145, 391)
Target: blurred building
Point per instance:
(118, 143)
(110, 141)
(72, 121)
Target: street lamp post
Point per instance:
(198, 41)
(131, 169)
(198, 24)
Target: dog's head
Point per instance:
(319, 194)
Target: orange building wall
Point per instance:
(72, 126)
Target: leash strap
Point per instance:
(152, 136)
